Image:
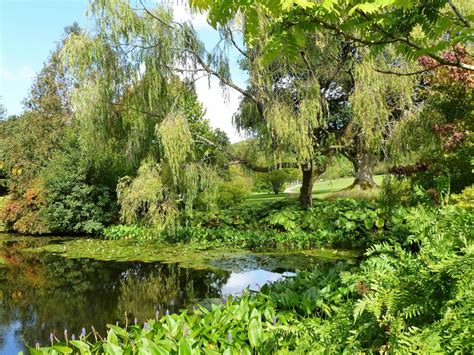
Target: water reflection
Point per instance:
(44, 293)
(253, 279)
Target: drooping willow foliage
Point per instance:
(176, 138)
(146, 198)
(292, 112)
(291, 120)
(134, 110)
(379, 100)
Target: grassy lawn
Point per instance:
(321, 189)
(264, 196)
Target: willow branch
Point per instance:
(392, 72)
(231, 38)
(239, 160)
(391, 39)
(458, 14)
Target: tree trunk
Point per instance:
(306, 191)
(364, 162)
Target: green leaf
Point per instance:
(62, 349)
(120, 331)
(82, 346)
(185, 347)
(255, 332)
(113, 349)
(369, 223)
(112, 337)
(149, 347)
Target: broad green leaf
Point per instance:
(184, 347)
(255, 332)
(113, 349)
(62, 349)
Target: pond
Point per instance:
(44, 289)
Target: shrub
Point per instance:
(464, 199)
(26, 213)
(72, 203)
(276, 180)
(232, 193)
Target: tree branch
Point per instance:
(458, 14)
(392, 72)
(238, 160)
(228, 31)
(391, 39)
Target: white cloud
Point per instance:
(219, 109)
(6, 74)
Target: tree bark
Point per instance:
(364, 162)
(306, 191)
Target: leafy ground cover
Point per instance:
(283, 225)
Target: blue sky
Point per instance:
(30, 29)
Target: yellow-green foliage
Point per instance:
(292, 129)
(146, 198)
(465, 199)
(3, 202)
(177, 142)
(233, 191)
(376, 96)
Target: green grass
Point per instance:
(321, 189)
(260, 197)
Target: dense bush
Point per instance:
(464, 199)
(73, 204)
(26, 213)
(232, 193)
(401, 299)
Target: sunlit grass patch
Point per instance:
(337, 188)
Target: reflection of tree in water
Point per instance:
(47, 293)
(165, 287)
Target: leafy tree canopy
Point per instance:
(414, 27)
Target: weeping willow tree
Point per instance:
(296, 105)
(134, 112)
(377, 103)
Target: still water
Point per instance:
(43, 293)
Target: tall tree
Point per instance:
(135, 113)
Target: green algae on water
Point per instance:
(223, 259)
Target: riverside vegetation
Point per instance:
(113, 151)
